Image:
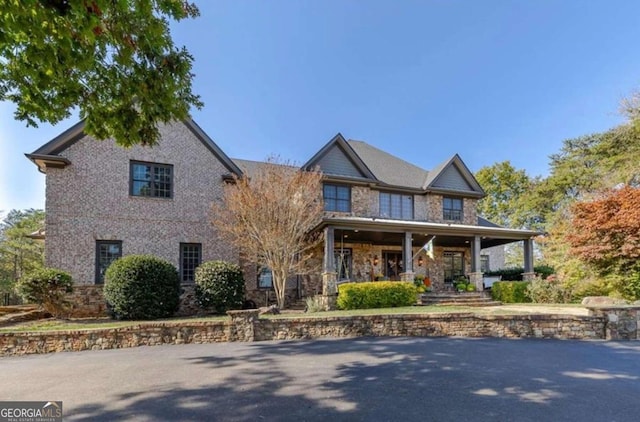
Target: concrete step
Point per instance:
(478, 303)
(458, 299)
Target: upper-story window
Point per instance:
(151, 179)
(452, 209)
(395, 205)
(336, 197)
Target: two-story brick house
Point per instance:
(104, 201)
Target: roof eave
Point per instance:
(44, 161)
(432, 228)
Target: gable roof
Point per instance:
(453, 175)
(388, 168)
(48, 155)
(351, 165)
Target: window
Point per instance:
(484, 263)
(265, 278)
(452, 209)
(151, 179)
(190, 258)
(107, 251)
(394, 205)
(453, 265)
(342, 258)
(336, 198)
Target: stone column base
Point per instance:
(528, 276)
(476, 280)
(408, 276)
(329, 283)
(329, 302)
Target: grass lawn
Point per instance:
(52, 324)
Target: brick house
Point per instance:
(104, 201)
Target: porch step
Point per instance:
(459, 299)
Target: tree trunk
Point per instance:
(279, 284)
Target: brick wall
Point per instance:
(89, 200)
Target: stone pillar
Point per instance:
(242, 327)
(407, 258)
(528, 274)
(475, 277)
(476, 280)
(622, 322)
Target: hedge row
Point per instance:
(510, 291)
(515, 273)
(376, 294)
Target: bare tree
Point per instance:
(269, 216)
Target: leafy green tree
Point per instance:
(506, 188)
(113, 60)
(19, 254)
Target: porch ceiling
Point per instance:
(418, 239)
(383, 231)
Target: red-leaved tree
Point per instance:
(605, 233)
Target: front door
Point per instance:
(392, 265)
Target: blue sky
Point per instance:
(491, 80)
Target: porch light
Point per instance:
(420, 261)
(375, 260)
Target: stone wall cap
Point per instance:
(612, 307)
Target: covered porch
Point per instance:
(366, 249)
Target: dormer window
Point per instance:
(336, 197)
(452, 209)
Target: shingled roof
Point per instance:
(388, 168)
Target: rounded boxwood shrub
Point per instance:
(142, 287)
(376, 294)
(47, 287)
(219, 286)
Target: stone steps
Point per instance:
(458, 299)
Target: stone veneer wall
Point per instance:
(246, 326)
(89, 200)
(88, 301)
(434, 210)
(363, 256)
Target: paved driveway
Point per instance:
(364, 379)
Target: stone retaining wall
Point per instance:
(433, 325)
(247, 326)
(148, 334)
(621, 322)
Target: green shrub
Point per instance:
(547, 291)
(510, 291)
(219, 286)
(471, 288)
(142, 287)
(47, 287)
(376, 294)
(515, 273)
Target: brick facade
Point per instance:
(89, 200)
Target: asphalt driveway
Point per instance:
(363, 379)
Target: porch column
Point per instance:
(329, 276)
(407, 258)
(529, 273)
(475, 277)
